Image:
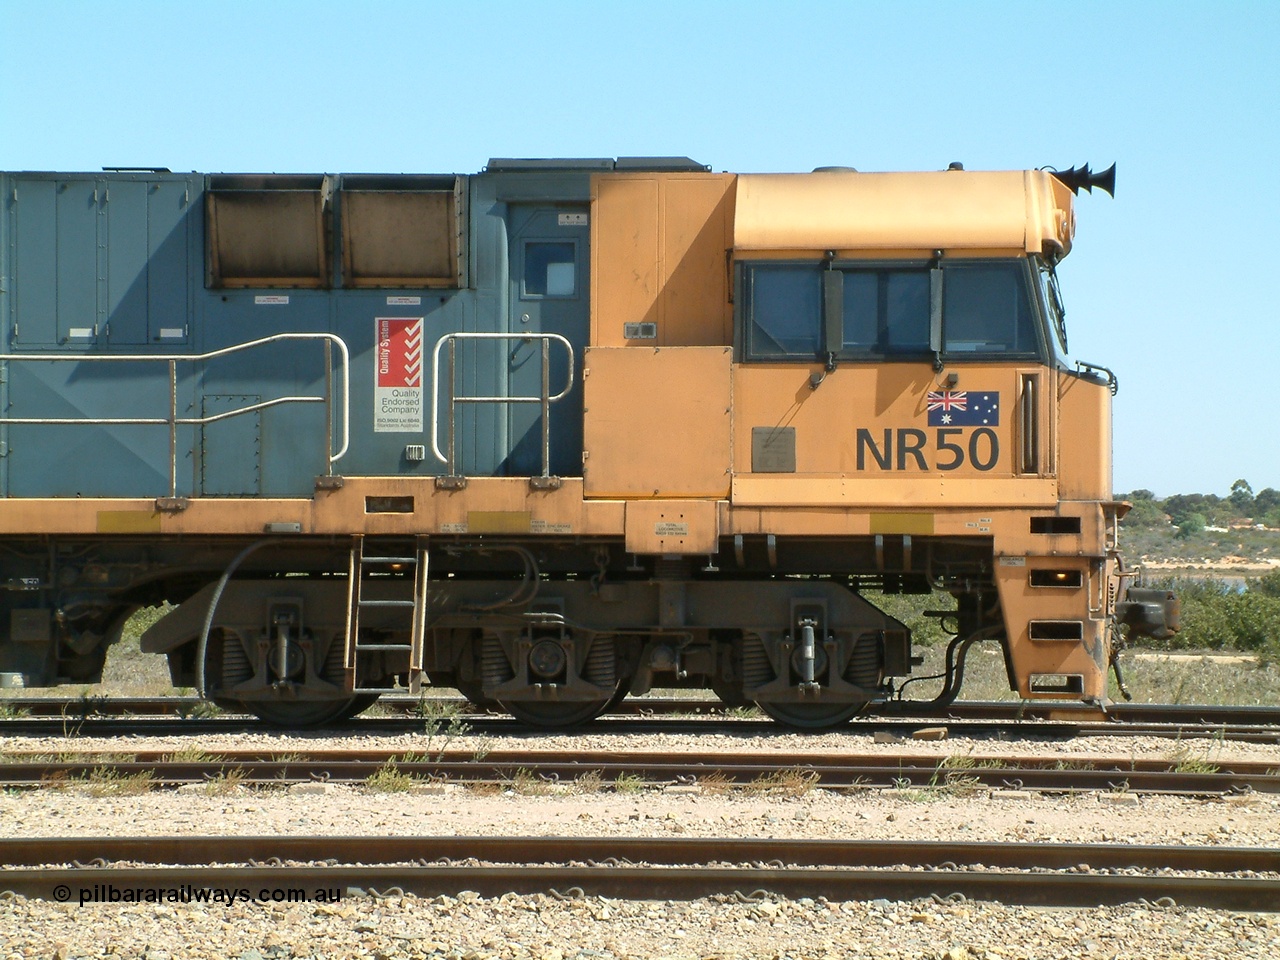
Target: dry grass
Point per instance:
(716, 784)
(107, 782)
(791, 782)
(189, 755)
(389, 778)
(527, 783)
(1200, 681)
(1197, 757)
(55, 780)
(128, 671)
(227, 781)
(969, 762)
(590, 782)
(1204, 681)
(629, 784)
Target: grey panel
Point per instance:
(291, 441)
(126, 207)
(500, 164)
(231, 448)
(33, 219)
(93, 460)
(169, 273)
(100, 260)
(77, 257)
(773, 449)
(664, 164)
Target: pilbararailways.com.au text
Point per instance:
(191, 893)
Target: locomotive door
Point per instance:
(549, 260)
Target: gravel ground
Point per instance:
(472, 927)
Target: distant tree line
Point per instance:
(1192, 512)
(1217, 614)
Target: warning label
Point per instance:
(397, 394)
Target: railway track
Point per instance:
(183, 716)
(1238, 878)
(693, 771)
(665, 706)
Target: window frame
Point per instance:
(525, 243)
(745, 305)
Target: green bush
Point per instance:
(1268, 585)
(1190, 525)
(1218, 616)
(910, 608)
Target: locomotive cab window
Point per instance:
(550, 269)
(886, 313)
(786, 308)
(883, 310)
(986, 309)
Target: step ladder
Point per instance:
(390, 554)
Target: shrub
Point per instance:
(1217, 616)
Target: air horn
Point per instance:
(1078, 177)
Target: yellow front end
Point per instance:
(977, 467)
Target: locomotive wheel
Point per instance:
(306, 713)
(624, 690)
(358, 705)
(556, 714)
(811, 716)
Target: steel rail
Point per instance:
(577, 758)
(1028, 873)
(87, 723)
(822, 770)
(1003, 710)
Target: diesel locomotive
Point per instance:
(552, 434)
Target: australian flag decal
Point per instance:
(963, 408)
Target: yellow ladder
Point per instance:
(387, 555)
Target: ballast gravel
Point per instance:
(541, 927)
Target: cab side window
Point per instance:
(986, 309)
(884, 310)
(785, 299)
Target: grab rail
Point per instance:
(173, 421)
(544, 397)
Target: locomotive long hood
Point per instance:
(951, 210)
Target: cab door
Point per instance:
(549, 260)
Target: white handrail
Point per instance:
(435, 379)
(173, 420)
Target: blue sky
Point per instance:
(1173, 284)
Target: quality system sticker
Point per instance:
(397, 400)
